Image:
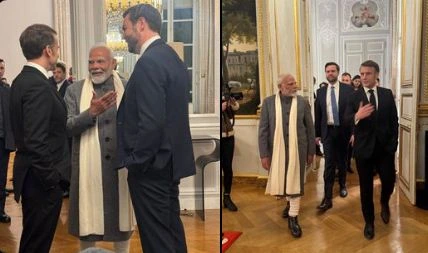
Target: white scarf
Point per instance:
(276, 180)
(91, 206)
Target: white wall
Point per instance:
(246, 160)
(15, 16)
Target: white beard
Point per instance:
(100, 78)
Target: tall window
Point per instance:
(177, 26)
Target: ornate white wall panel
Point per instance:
(408, 41)
(348, 12)
(405, 156)
(333, 24)
(407, 106)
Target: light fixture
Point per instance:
(114, 11)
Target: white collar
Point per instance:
(336, 84)
(61, 83)
(147, 43)
(367, 89)
(39, 68)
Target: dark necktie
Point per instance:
(334, 109)
(372, 99)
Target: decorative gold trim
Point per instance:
(297, 44)
(253, 116)
(260, 47)
(405, 83)
(424, 62)
(423, 110)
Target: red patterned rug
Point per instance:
(229, 237)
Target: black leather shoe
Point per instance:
(4, 218)
(325, 204)
(385, 214)
(343, 192)
(294, 227)
(286, 210)
(228, 203)
(369, 231)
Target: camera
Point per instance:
(227, 94)
(234, 95)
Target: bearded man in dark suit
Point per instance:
(153, 132)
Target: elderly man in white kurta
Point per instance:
(100, 206)
(286, 145)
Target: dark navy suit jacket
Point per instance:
(321, 111)
(152, 119)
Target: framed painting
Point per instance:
(240, 55)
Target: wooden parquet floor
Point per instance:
(201, 237)
(340, 229)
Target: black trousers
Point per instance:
(154, 195)
(335, 150)
(384, 164)
(349, 155)
(226, 156)
(40, 211)
(4, 161)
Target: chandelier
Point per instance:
(122, 5)
(114, 11)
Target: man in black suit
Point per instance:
(59, 78)
(39, 117)
(153, 132)
(7, 143)
(373, 113)
(331, 129)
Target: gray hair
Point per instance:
(102, 45)
(281, 78)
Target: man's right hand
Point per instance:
(100, 105)
(364, 111)
(266, 163)
(318, 141)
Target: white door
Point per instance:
(356, 51)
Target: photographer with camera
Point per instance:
(228, 108)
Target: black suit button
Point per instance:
(107, 139)
(107, 157)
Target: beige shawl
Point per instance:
(277, 177)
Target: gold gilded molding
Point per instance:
(260, 47)
(424, 63)
(260, 54)
(423, 110)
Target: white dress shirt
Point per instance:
(147, 44)
(330, 120)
